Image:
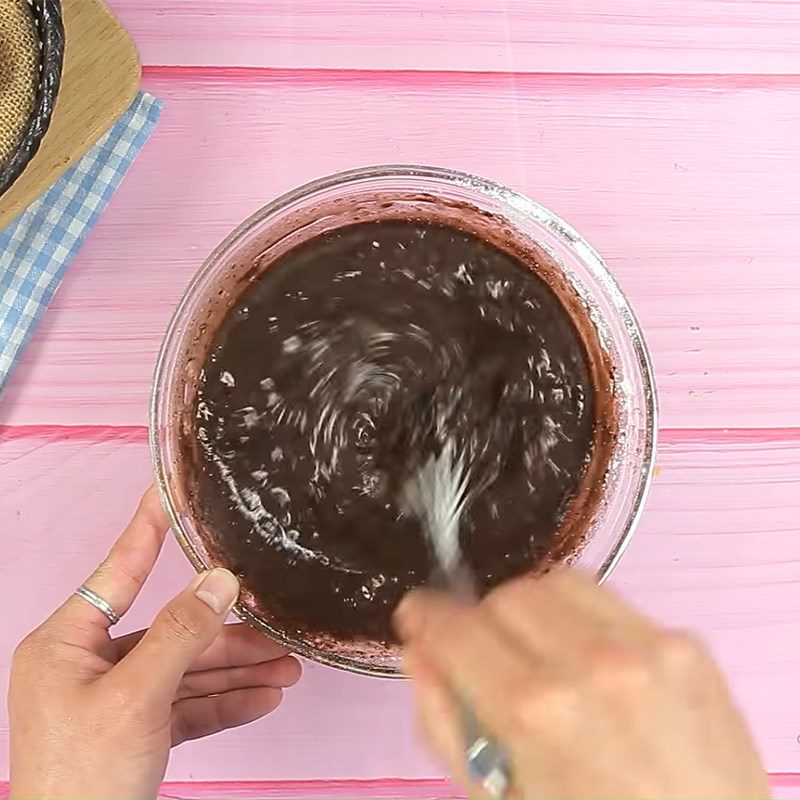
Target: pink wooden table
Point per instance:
(668, 133)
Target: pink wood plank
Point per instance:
(544, 36)
(784, 787)
(717, 552)
(63, 503)
(687, 186)
(395, 788)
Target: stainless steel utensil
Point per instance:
(437, 494)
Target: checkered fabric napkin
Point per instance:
(36, 249)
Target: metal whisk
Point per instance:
(437, 493)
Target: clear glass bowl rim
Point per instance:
(568, 236)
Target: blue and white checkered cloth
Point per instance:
(36, 249)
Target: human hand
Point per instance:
(92, 716)
(587, 698)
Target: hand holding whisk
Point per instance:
(440, 484)
(437, 493)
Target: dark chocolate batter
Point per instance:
(315, 403)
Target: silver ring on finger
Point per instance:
(103, 606)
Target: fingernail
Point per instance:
(218, 590)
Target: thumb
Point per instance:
(183, 629)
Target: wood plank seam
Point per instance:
(422, 788)
(687, 80)
(701, 36)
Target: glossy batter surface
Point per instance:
(305, 412)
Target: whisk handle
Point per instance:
(487, 761)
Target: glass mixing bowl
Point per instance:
(428, 193)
